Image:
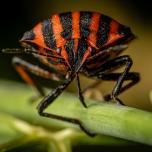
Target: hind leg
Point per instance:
(24, 68)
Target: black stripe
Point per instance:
(124, 30)
(85, 19)
(82, 47)
(69, 46)
(66, 21)
(48, 34)
(103, 31)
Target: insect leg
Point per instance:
(50, 98)
(112, 65)
(127, 61)
(80, 92)
(23, 67)
(132, 77)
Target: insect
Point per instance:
(74, 43)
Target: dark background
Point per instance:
(16, 17)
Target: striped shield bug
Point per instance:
(74, 43)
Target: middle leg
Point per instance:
(80, 91)
(104, 73)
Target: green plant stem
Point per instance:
(99, 118)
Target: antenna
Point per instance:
(27, 50)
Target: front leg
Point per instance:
(50, 98)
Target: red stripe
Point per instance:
(113, 34)
(57, 29)
(39, 39)
(94, 25)
(75, 25)
(60, 41)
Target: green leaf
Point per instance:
(22, 126)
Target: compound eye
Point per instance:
(58, 50)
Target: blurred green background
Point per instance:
(16, 17)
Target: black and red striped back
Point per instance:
(74, 25)
(75, 36)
